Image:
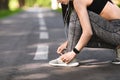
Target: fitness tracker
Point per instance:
(76, 51)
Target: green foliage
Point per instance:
(5, 13)
(58, 10)
(13, 8)
(13, 4)
(30, 3)
(45, 3)
(119, 5)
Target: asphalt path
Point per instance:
(28, 41)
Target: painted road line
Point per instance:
(43, 28)
(41, 19)
(44, 35)
(42, 22)
(42, 52)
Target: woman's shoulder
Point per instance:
(84, 2)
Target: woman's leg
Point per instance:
(109, 31)
(74, 31)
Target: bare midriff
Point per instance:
(110, 11)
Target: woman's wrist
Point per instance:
(76, 51)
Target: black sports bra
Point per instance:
(97, 5)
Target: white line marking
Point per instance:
(43, 28)
(40, 15)
(44, 35)
(42, 52)
(42, 22)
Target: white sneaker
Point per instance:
(116, 61)
(59, 62)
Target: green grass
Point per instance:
(5, 13)
(44, 3)
(58, 10)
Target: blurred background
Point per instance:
(8, 7)
(29, 38)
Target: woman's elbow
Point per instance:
(89, 33)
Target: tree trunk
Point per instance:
(4, 4)
(21, 3)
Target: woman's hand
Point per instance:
(62, 47)
(67, 57)
(63, 1)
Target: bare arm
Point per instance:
(62, 47)
(81, 9)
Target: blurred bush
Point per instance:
(13, 4)
(40, 3)
(117, 2)
(45, 3)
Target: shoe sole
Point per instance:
(65, 65)
(115, 62)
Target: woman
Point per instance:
(95, 17)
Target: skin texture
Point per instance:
(62, 47)
(81, 9)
